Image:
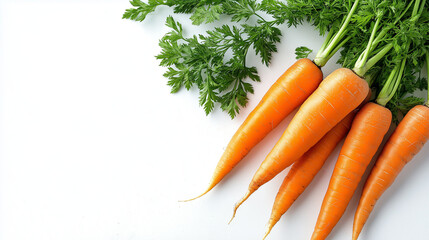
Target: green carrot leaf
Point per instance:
(302, 52)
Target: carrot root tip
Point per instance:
(188, 200)
(230, 220)
(237, 205)
(204, 193)
(267, 232)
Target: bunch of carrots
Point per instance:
(382, 48)
(383, 45)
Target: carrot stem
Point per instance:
(371, 40)
(392, 84)
(427, 70)
(377, 57)
(416, 7)
(361, 65)
(327, 39)
(329, 49)
(339, 46)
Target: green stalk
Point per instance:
(339, 46)
(326, 42)
(373, 60)
(331, 46)
(392, 84)
(422, 7)
(416, 8)
(371, 40)
(427, 69)
(360, 67)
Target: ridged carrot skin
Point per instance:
(406, 141)
(338, 95)
(305, 169)
(368, 129)
(287, 93)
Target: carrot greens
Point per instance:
(406, 61)
(215, 61)
(202, 61)
(394, 41)
(372, 36)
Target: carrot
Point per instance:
(305, 169)
(339, 94)
(368, 129)
(287, 93)
(406, 141)
(290, 91)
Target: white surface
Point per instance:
(93, 146)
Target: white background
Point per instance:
(93, 145)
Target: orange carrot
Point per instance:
(406, 141)
(367, 132)
(305, 169)
(339, 94)
(286, 94)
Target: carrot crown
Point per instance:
(389, 50)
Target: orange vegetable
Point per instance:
(286, 94)
(339, 94)
(368, 129)
(305, 169)
(406, 141)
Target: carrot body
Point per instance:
(305, 169)
(367, 132)
(406, 141)
(286, 94)
(339, 94)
